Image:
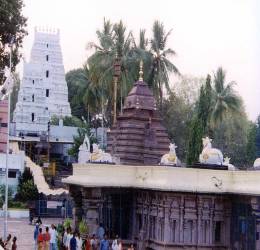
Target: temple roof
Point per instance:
(140, 97)
(160, 178)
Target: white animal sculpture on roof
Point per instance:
(210, 155)
(171, 157)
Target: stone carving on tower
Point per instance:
(43, 91)
(210, 155)
(138, 136)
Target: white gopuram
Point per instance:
(43, 91)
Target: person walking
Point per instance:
(131, 247)
(104, 245)
(40, 240)
(35, 236)
(46, 239)
(87, 243)
(68, 238)
(53, 238)
(73, 242)
(120, 245)
(79, 241)
(94, 242)
(14, 246)
(8, 243)
(115, 243)
(100, 232)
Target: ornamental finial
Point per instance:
(141, 73)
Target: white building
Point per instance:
(43, 91)
(16, 164)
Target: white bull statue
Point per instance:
(99, 155)
(171, 157)
(210, 155)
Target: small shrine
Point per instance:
(138, 137)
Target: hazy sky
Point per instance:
(206, 33)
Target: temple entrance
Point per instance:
(117, 213)
(242, 227)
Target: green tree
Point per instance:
(251, 144)
(231, 137)
(70, 121)
(2, 194)
(161, 65)
(12, 26)
(79, 138)
(113, 42)
(224, 97)
(199, 125)
(258, 137)
(27, 191)
(14, 94)
(78, 84)
(176, 114)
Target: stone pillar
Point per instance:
(181, 234)
(167, 228)
(91, 204)
(199, 216)
(211, 223)
(77, 210)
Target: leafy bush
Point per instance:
(2, 194)
(27, 191)
(67, 223)
(83, 227)
(17, 204)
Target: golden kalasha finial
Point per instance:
(141, 73)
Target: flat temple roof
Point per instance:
(174, 179)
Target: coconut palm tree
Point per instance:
(114, 42)
(224, 97)
(161, 65)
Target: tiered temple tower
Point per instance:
(138, 137)
(43, 91)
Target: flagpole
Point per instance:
(7, 151)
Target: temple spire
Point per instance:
(141, 73)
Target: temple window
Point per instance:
(11, 174)
(33, 81)
(33, 117)
(47, 92)
(218, 231)
(47, 45)
(32, 98)
(47, 73)
(47, 58)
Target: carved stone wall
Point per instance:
(170, 220)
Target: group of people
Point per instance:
(69, 240)
(9, 243)
(45, 240)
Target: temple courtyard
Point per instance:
(24, 232)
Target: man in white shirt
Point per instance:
(53, 240)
